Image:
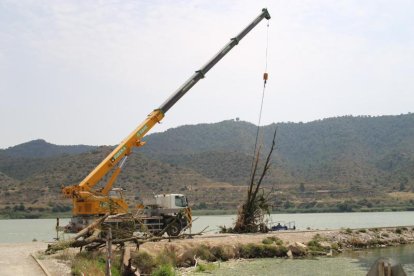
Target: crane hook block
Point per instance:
(265, 76)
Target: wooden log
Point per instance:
(86, 230)
(52, 248)
(75, 242)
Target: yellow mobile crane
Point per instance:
(88, 204)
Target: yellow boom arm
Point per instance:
(123, 149)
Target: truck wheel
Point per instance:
(174, 229)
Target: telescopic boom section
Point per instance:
(134, 139)
(203, 71)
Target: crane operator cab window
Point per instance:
(181, 201)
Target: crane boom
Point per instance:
(79, 193)
(203, 71)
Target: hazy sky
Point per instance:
(87, 72)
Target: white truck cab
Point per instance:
(171, 201)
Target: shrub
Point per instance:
(203, 252)
(267, 241)
(164, 270)
(186, 259)
(281, 251)
(220, 253)
(93, 263)
(373, 242)
(398, 231)
(269, 251)
(362, 231)
(205, 267)
(166, 257)
(224, 229)
(251, 250)
(335, 246)
(270, 240)
(355, 242)
(144, 261)
(314, 245)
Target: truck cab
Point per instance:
(169, 211)
(171, 201)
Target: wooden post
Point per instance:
(57, 229)
(109, 251)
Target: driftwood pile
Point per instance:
(92, 238)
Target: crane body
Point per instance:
(89, 203)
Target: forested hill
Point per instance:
(320, 164)
(343, 148)
(300, 143)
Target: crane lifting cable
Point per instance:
(265, 78)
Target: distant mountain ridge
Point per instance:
(41, 149)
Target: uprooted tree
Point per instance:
(250, 217)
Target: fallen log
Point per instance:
(88, 228)
(75, 242)
(53, 248)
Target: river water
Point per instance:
(25, 230)
(321, 221)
